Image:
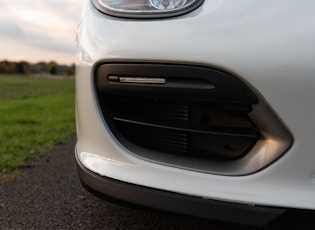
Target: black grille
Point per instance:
(179, 111)
(185, 128)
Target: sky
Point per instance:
(39, 30)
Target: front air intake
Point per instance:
(203, 130)
(186, 116)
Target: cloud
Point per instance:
(10, 29)
(44, 41)
(47, 26)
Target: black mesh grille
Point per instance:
(185, 128)
(187, 112)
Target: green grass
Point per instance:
(35, 115)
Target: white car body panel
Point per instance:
(268, 44)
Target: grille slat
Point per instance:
(157, 110)
(174, 142)
(237, 132)
(163, 137)
(158, 139)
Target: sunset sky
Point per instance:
(39, 30)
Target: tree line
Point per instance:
(24, 67)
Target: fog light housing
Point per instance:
(146, 8)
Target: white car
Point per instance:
(201, 107)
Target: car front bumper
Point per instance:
(272, 54)
(119, 191)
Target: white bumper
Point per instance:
(268, 44)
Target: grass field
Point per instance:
(35, 115)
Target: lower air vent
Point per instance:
(201, 130)
(186, 116)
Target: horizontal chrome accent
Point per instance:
(143, 80)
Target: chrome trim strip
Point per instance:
(144, 80)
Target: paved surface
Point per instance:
(48, 195)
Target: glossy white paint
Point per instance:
(269, 44)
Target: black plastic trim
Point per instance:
(160, 83)
(226, 87)
(102, 186)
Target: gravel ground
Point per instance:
(48, 195)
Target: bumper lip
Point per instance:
(116, 190)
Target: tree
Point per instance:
(23, 67)
(7, 67)
(71, 70)
(52, 68)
